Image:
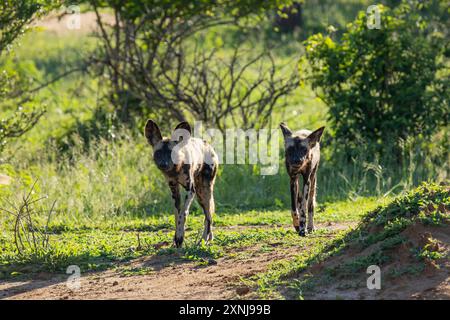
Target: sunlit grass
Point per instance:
(99, 243)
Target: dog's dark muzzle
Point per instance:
(164, 166)
(297, 162)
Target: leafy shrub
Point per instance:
(14, 18)
(383, 85)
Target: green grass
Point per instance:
(42, 56)
(95, 244)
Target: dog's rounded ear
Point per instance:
(152, 132)
(286, 131)
(182, 132)
(314, 137)
(184, 125)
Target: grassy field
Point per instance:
(98, 243)
(255, 254)
(114, 243)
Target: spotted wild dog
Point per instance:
(191, 163)
(302, 156)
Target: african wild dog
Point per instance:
(191, 163)
(302, 156)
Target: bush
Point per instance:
(383, 85)
(15, 120)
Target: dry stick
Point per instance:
(47, 236)
(15, 225)
(139, 243)
(28, 215)
(24, 214)
(17, 233)
(43, 234)
(29, 226)
(58, 77)
(10, 212)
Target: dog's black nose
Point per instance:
(163, 165)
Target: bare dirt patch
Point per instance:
(178, 281)
(401, 278)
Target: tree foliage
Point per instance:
(154, 64)
(15, 16)
(384, 85)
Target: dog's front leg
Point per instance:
(181, 223)
(304, 203)
(294, 203)
(312, 200)
(175, 189)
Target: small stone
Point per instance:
(242, 290)
(275, 244)
(115, 283)
(212, 262)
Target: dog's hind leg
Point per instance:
(206, 201)
(205, 197)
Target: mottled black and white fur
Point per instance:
(188, 162)
(302, 157)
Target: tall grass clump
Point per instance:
(111, 178)
(363, 173)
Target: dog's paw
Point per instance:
(178, 242)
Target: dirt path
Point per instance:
(168, 277)
(178, 281)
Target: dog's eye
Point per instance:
(158, 154)
(302, 150)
